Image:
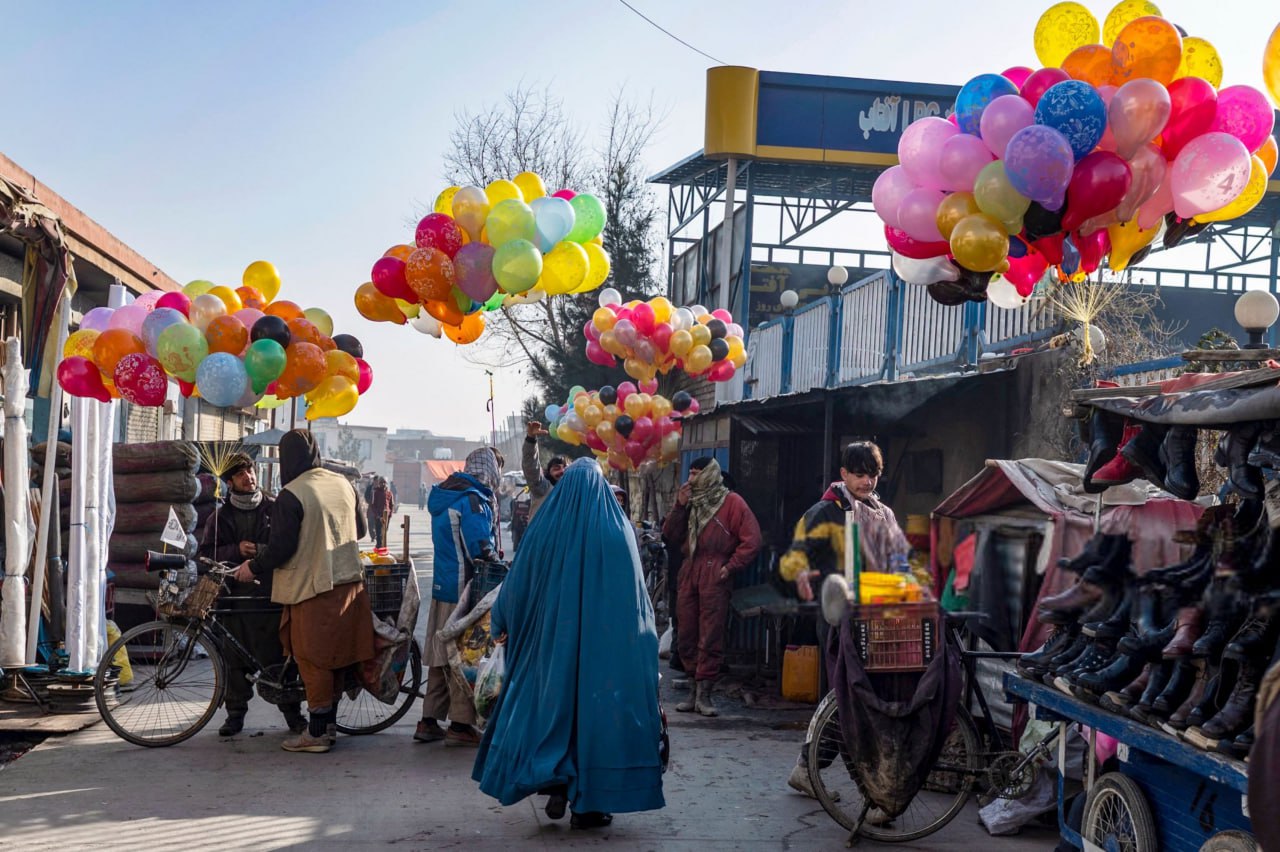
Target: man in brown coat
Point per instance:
(721, 536)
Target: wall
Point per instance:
(373, 439)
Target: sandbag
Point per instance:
(171, 486)
(133, 547)
(155, 456)
(151, 517)
(61, 455)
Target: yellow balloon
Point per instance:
(735, 347)
(604, 319)
(444, 201)
(661, 407)
(320, 318)
(592, 415)
(564, 268)
(1061, 29)
(604, 430)
(339, 363)
(333, 397)
(1200, 59)
(80, 343)
(1271, 64)
(662, 308)
(570, 437)
(597, 267)
(701, 335)
(531, 185)
(1124, 13)
(409, 309)
(263, 277)
(953, 208)
(197, 288)
(1127, 239)
(1254, 190)
(980, 243)
(698, 359)
(501, 190)
(681, 343)
(229, 297)
(270, 401)
(580, 403)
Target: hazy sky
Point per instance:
(209, 135)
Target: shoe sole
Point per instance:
(428, 739)
(448, 743)
(313, 749)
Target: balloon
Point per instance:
(470, 208)
(284, 309)
(1090, 63)
(719, 350)
(264, 361)
(499, 191)
(366, 376)
(1017, 75)
(177, 301)
(1124, 13)
(263, 277)
(1025, 272)
(609, 296)
(1039, 163)
(509, 220)
(1076, 111)
(147, 301)
(953, 208)
(250, 298)
(1153, 211)
(517, 265)
(1269, 153)
(597, 269)
(624, 425)
(920, 150)
(427, 324)
(430, 274)
(1271, 64)
(1246, 200)
(887, 193)
(271, 328)
(531, 186)
(320, 319)
(975, 96)
(1200, 59)
(80, 344)
(1098, 184)
(400, 252)
(469, 331)
(371, 304)
(155, 323)
(473, 268)
(1148, 167)
(79, 376)
(221, 379)
(980, 243)
(112, 345)
(446, 312)
(963, 156)
(349, 344)
(230, 299)
(914, 272)
(1061, 29)
(388, 276)
(205, 309)
(554, 219)
(444, 201)
(227, 334)
(141, 380)
(1093, 248)
(1039, 83)
(1127, 239)
(1193, 107)
(1003, 294)
(589, 218)
(1210, 173)
(1002, 118)
(907, 246)
(196, 288)
(918, 214)
(304, 370)
(1148, 46)
(1139, 110)
(564, 268)
(1244, 112)
(996, 197)
(333, 397)
(181, 348)
(129, 318)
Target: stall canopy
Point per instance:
(442, 469)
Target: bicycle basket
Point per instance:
(901, 637)
(174, 601)
(385, 585)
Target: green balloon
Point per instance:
(517, 266)
(180, 348)
(509, 220)
(495, 301)
(589, 218)
(264, 362)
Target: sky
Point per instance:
(206, 136)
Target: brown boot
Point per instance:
(702, 700)
(1075, 597)
(691, 702)
(1190, 626)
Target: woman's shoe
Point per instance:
(556, 804)
(591, 819)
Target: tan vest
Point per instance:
(327, 553)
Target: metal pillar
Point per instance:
(726, 252)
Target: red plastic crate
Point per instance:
(898, 637)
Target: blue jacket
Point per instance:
(461, 520)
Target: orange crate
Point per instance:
(900, 637)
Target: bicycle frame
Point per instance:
(223, 639)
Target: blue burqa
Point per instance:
(580, 702)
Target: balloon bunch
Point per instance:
(654, 336)
(1080, 162)
(482, 249)
(626, 426)
(233, 347)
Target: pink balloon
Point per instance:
(642, 431)
(388, 276)
(661, 338)
(722, 372)
(366, 376)
(592, 440)
(1108, 140)
(178, 301)
(589, 330)
(920, 149)
(649, 386)
(1193, 107)
(1026, 270)
(1160, 204)
(1138, 111)
(1002, 118)
(635, 451)
(694, 406)
(918, 213)
(597, 355)
(130, 318)
(1092, 248)
(1097, 185)
(1210, 172)
(79, 376)
(643, 318)
(1040, 82)
(1017, 75)
(1148, 166)
(887, 193)
(147, 301)
(248, 316)
(1245, 113)
(625, 390)
(963, 156)
(141, 380)
(907, 246)
(566, 194)
(955, 122)
(722, 315)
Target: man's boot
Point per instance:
(1037, 662)
(1236, 713)
(1140, 708)
(702, 700)
(1120, 671)
(1119, 700)
(1190, 621)
(1244, 477)
(1215, 695)
(1106, 430)
(1178, 452)
(691, 702)
(1095, 551)
(1119, 470)
(1256, 635)
(1114, 625)
(293, 718)
(1204, 680)
(1178, 686)
(1068, 604)
(234, 723)
(1242, 745)
(1143, 451)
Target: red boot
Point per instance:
(1120, 471)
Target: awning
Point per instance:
(442, 469)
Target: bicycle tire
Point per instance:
(1117, 816)
(839, 796)
(365, 714)
(188, 692)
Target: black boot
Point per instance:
(1203, 681)
(1095, 550)
(1105, 431)
(1179, 455)
(1120, 671)
(1144, 452)
(234, 723)
(1257, 635)
(1116, 624)
(1236, 713)
(1215, 694)
(1160, 674)
(1245, 478)
(1037, 662)
(1181, 681)
(1120, 700)
(1241, 745)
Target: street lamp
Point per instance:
(1256, 311)
(837, 276)
(789, 299)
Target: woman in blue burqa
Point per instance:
(578, 717)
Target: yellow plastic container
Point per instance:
(800, 673)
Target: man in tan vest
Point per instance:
(314, 563)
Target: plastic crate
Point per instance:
(899, 637)
(487, 577)
(385, 585)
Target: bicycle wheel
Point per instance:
(1116, 816)
(943, 795)
(365, 714)
(160, 683)
(657, 584)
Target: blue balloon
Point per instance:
(974, 97)
(221, 379)
(1070, 257)
(553, 219)
(553, 414)
(1074, 109)
(1017, 248)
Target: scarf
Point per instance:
(482, 466)
(707, 494)
(247, 502)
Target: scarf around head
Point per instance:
(707, 493)
(482, 466)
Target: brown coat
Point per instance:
(731, 539)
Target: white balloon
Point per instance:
(426, 324)
(537, 294)
(610, 296)
(928, 271)
(837, 275)
(789, 299)
(682, 319)
(1002, 294)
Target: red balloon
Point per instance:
(366, 375)
(597, 355)
(178, 301)
(566, 194)
(908, 246)
(79, 376)
(439, 231)
(649, 386)
(1026, 271)
(635, 451)
(722, 372)
(188, 388)
(388, 276)
(1098, 184)
(141, 380)
(1092, 248)
(643, 317)
(1040, 82)
(661, 337)
(642, 430)
(1051, 247)
(592, 440)
(1195, 105)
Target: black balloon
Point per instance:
(718, 329)
(949, 293)
(680, 402)
(608, 394)
(624, 424)
(1140, 255)
(1040, 222)
(271, 328)
(719, 349)
(349, 344)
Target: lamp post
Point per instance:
(789, 299)
(1256, 311)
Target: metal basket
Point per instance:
(899, 637)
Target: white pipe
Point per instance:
(726, 250)
(76, 533)
(13, 614)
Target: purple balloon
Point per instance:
(918, 213)
(963, 156)
(1039, 162)
(1002, 118)
(156, 322)
(920, 149)
(887, 194)
(473, 266)
(97, 319)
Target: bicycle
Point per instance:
(971, 760)
(653, 562)
(161, 682)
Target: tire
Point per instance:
(1231, 841)
(176, 684)
(938, 802)
(1116, 816)
(365, 714)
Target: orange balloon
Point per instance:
(445, 311)
(1090, 63)
(303, 370)
(374, 305)
(339, 363)
(1146, 47)
(327, 344)
(400, 252)
(429, 273)
(286, 310)
(227, 334)
(251, 297)
(468, 331)
(304, 330)
(112, 345)
(1268, 154)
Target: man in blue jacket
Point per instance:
(462, 524)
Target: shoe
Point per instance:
(1068, 604)
(702, 700)
(466, 736)
(1184, 637)
(1106, 431)
(304, 742)
(1237, 711)
(798, 780)
(1178, 452)
(1113, 625)
(296, 722)
(1212, 700)
(1244, 477)
(591, 819)
(331, 731)
(1120, 671)
(1255, 634)
(1143, 451)
(1140, 711)
(428, 731)
(556, 804)
(1037, 662)
(1120, 700)
(691, 702)
(1095, 550)
(235, 724)
(1119, 470)
(1178, 683)
(1243, 744)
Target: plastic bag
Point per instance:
(490, 675)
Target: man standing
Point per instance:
(539, 480)
(422, 496)
(720, 537)
(233, 533)
(381, 505)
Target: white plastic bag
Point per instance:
(664, 644)
(490, 675)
